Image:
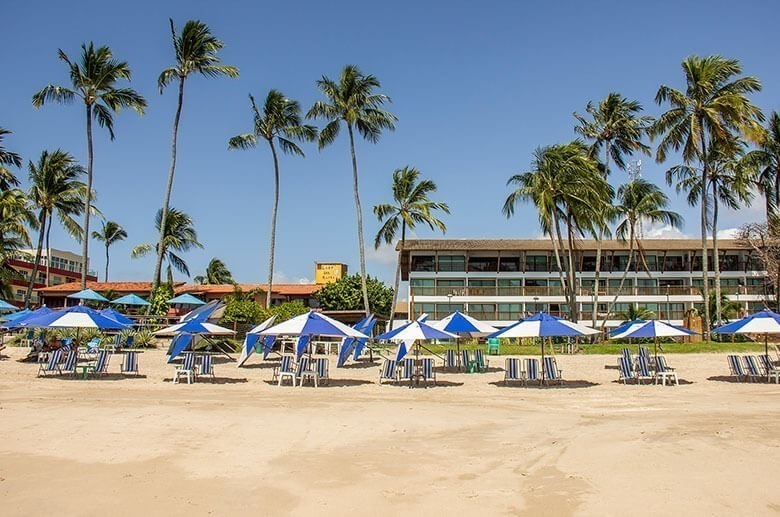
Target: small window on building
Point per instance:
(423, 263)
(536, 263)
(509, 264)
(450, 263)
(483, 264)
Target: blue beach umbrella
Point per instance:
(5, 306)
(88, 294)
(251, 339)
(15, 315)
(17, 320)
(762, 322)
(360, 344)
(186, 299)
(462, 325)
(205, 312)
(78, 316)
(118, 316)
(312, 324)
(130, 299)
(413, 332)
(353, 345)
(624, 326)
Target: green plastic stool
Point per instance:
(493, 346)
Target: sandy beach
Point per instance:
(469, 446)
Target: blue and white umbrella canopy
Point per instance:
(353, 345)
(212, 310)
(88, 294)
(118, 316)
(6, 307)
(15, 315)
(15, 321)
(624, 326)
(194, 327)
(312, 324)
(544, 325)
(73, 317)
(129, 299)
(652, 329)
(411, 333)
(251, 339)
(763, 322)
(185, 299)
(461, 324)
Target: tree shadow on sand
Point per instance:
(332, 383)
(567, 384)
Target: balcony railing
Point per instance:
(532, 291)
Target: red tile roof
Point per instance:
(222, 289)
(120, 287)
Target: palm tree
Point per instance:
(638, 201)
(110, 233)
(635, 312)
(280, 121)
(180, 235)
(767, 158)
(15, 218)
(196, 53)
(411, 206)
(8, 158)
(713, 107)
(353, 100)
(216, 273)
(567, 188)
(93, 79)
(616, 125)
(55, 190)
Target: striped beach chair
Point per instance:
(285, 367)
(479, 358)
(626, 353)
(406, 369)
(388, 372)
(93, 347)
(130, 363)
(450, 359)
(642, 369)
(185, 369)
(426, 369)
(735, 367)
(551, 371)
(664, 371)
(206, 366)
(52, 365)
(101, 364)
(531, 371)
(71, 359)
(305, 371)
(644, 352)
(465, 359)
(321, 367)
(770, 370)
(512, 370)
(751, 368)
(626, 371)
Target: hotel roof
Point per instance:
(546, 245)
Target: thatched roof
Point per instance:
(546, 245)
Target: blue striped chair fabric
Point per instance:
(626, 353)
(626, 371)
(551, 371)
(285, 366)
(427, 369)
(735, 366)
(407, 368)
(770, 370)
(303, 365)
(70, 361)
(751, 367)
(101, 364)
(207, 365)
(53, 364)
(321, 367)
(479, 357)
(388, 371)
(129, 341)
(512, 370)
(465, 359)
(450, 359)
(531, 370)
(130, 364)
(642, 369)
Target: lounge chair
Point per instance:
(450, 359)
(465, 359)
(625, 369)
(388, 372)
(512, 370)
(551, 371)
(29, 339)
(770, 370)
(493, 346)
(644, 352)
(479, 360)
(185, 369)
(643, 369)
(664, 372)
(304, 371)
(321, 367)
(93, 347)
(130, 364)
(735, 367)
(101, 365)
(52, 365)
(67, 343)
(426, 370)
(751, 368)
(406, 369)
(206, 367)
(626, 353)
(531, 371)
(285, 367)
(128, 342)
(71, 359)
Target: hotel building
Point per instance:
(64, 267)
(502, 280)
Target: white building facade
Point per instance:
(502, 280)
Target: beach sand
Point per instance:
(470, 446)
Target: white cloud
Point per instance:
(385, 255)
(663, 232)
(281, 278)
(728, 233)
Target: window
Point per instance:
(730, 263)
(451, 286)
(674, 264)
(482, 287)
(589, 263)
(449, 263)
(422, 286)
(482, 311)
(509, 264)
(423, 308)
(536, 263)
(619, 262)
(445, 309)
(423, 263)
(509, 287)
(509, 311)
(20, 294)
(483, 264)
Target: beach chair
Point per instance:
(479, 360)
(751, 368)
(71, 359)
(512, 370)
(450, 359)
(426, 370)
(465, 359)
(663, 371)
(93, 347)
(52, 365)
(493, 346)
(128, 342)
(625, 369)
(29, 339)
(388, 372)
(130, 363)
(770, 370)
(185, 369)
(551, 371)
(644, 352)
(531, 371)
(321, 367)
(285, 367)
(642, 369)
(304, 371)
(101, 364)
(206, 367)
(67, 343)
(406, 369)
(735, 367)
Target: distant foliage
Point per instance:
(346, 295)
(159, 299)
(241, 308)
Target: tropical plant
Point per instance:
(279, 121)
(159, 298)
(616, 125)
(179, 235)
(713, 108)
(109, 233)
(346, 294)
(195, 52)
(8, 158)
(93, 80)
(411, 206)
(353, 101)
(142, 338)
(567, 188)
(635, 312)
(766, 158)
(16, 216)
(55, 190)
(639, 201)
(216, 273)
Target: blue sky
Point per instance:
(476, 87)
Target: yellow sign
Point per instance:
(327, 273)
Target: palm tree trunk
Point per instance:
(704, 262)
(397, 275)
(715, 256)
(107, 259)
(31, 283)
(623, 277)
(359, 221)
(48, 250)
(573, 312)
(560, 246)
(87, 202)
(169, 187)
(273, 226)
(597, 273)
